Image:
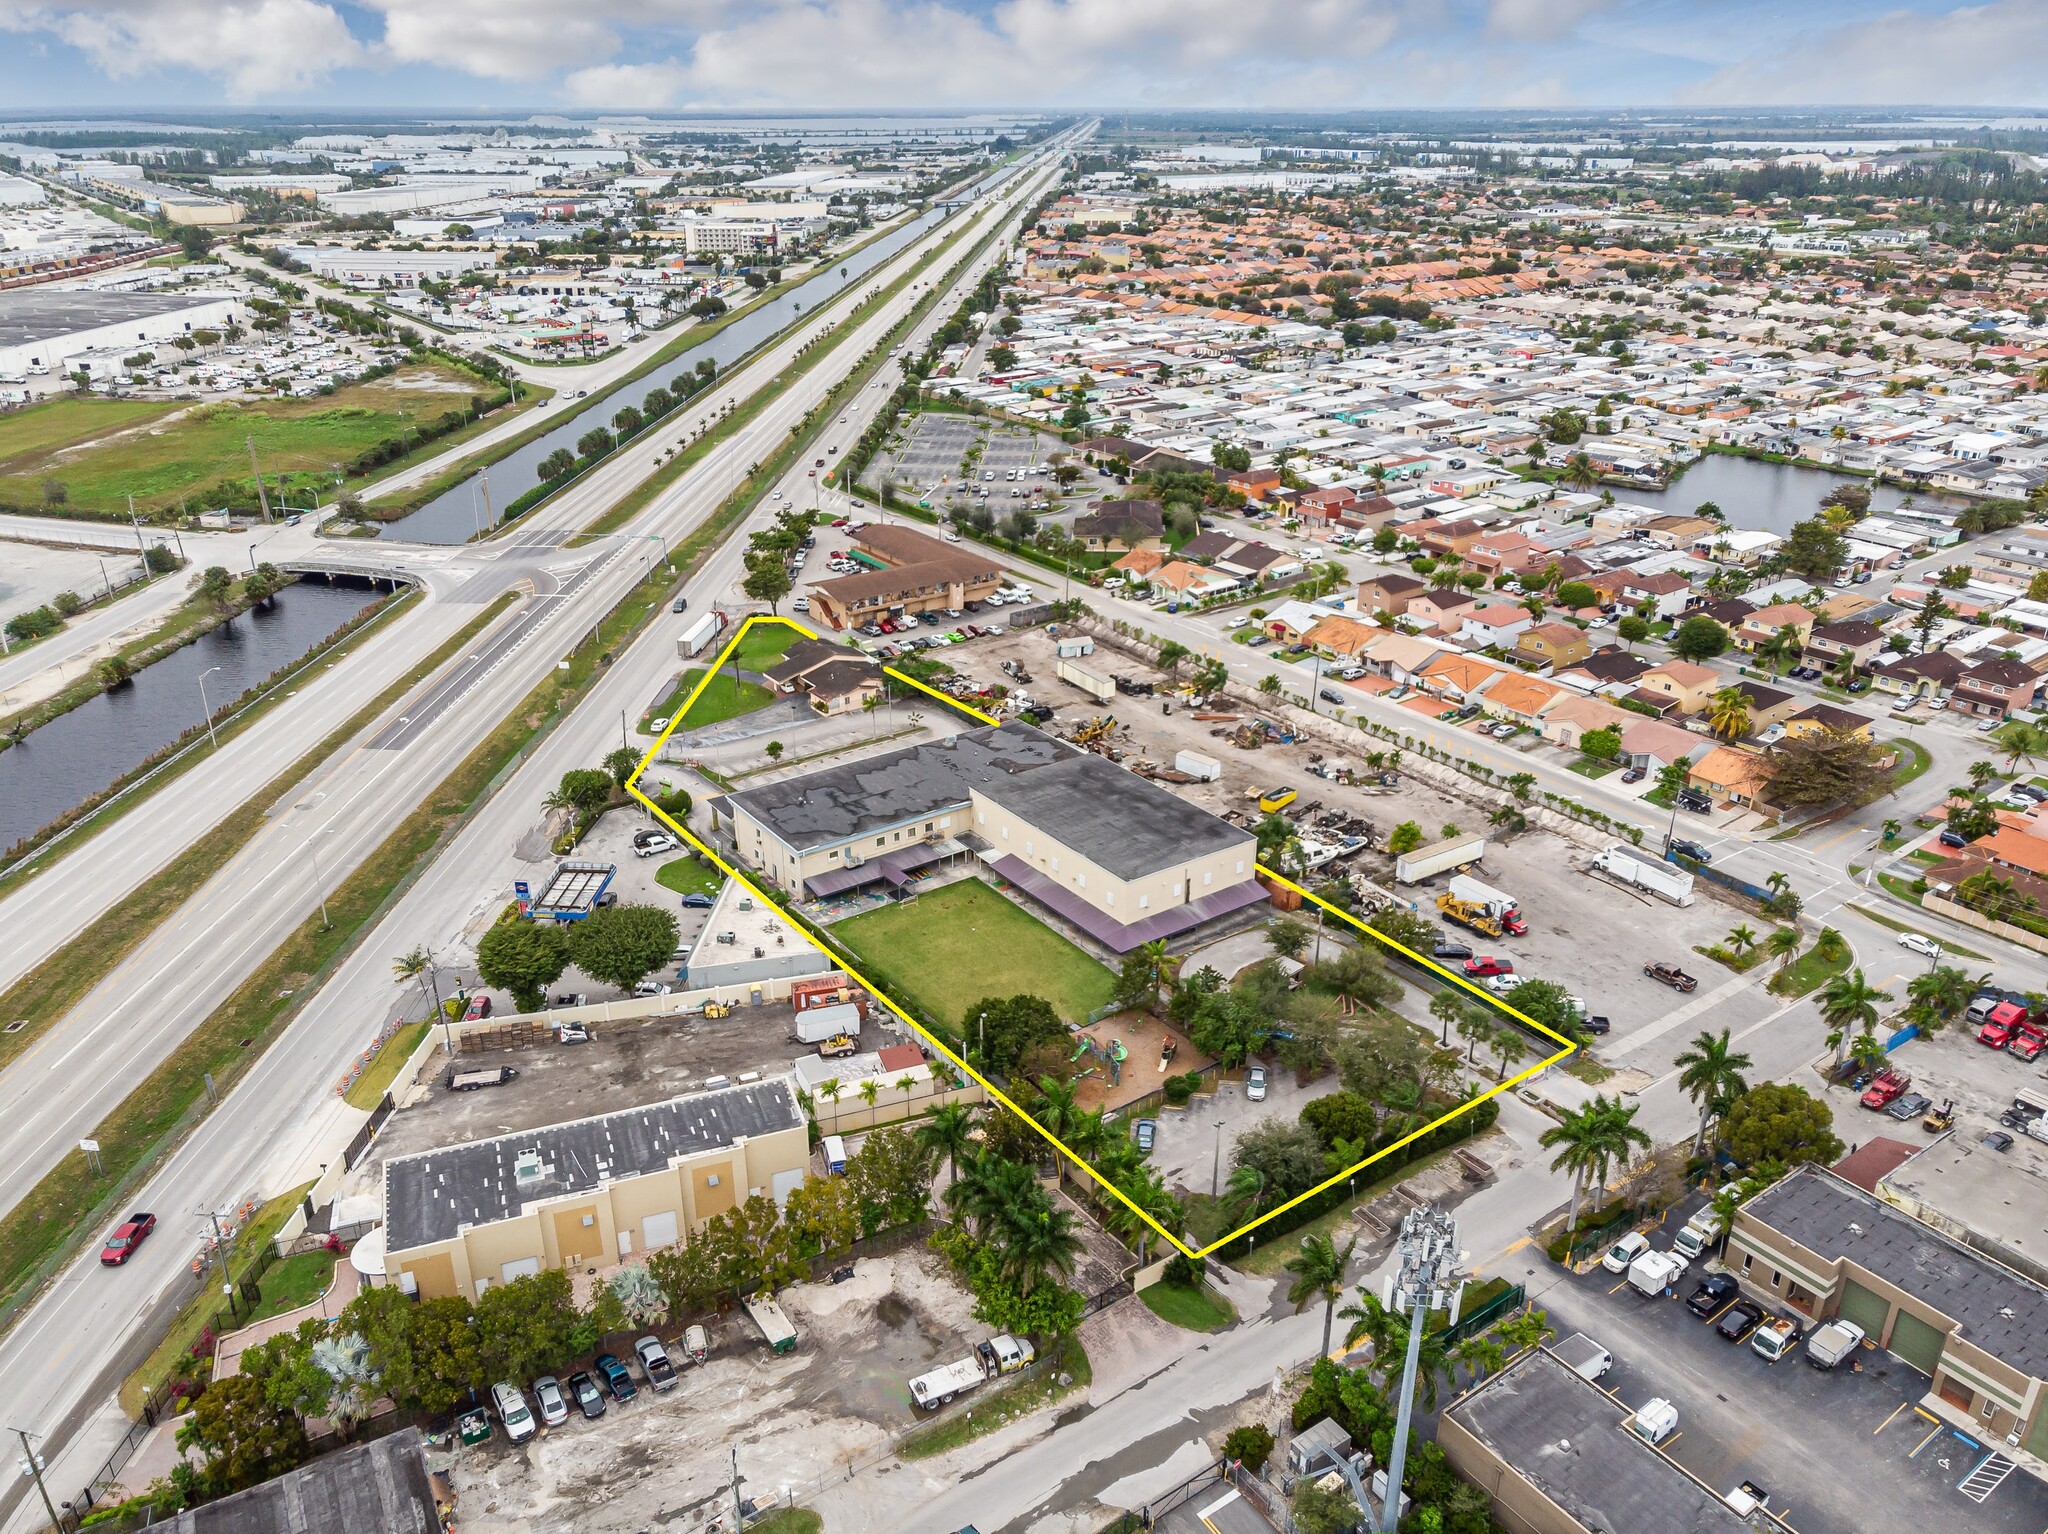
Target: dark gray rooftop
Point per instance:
(1994, 1308)
(29, 317)
(381, 1485)
(1122, 822)
(431, 1196)
(1565, 1437)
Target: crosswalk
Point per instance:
(1989, 1475)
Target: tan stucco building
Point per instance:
(587, 1193)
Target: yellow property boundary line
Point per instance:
(633, 787)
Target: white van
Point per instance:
(510, 1403)
(835, 1154)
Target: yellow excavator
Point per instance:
(1093, 731)
(1469, 914)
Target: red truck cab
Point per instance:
(2027, 1041)
(1887, 1085)
(2005, 1019)
(1512, 923)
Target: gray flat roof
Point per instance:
(381, 1485)
(1993, 1307)
(431, 1196)
(30, 317)
(1564, 1436)
(1124, 823)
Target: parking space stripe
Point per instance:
(1891, 1419)
(1923, 1443)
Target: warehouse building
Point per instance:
(1554, 1453)
(1976, 1328)
(41, 332)
(1105, 850)
(587, 1193)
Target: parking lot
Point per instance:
(1829, 1446)
(664, 1461)
(1572, 917)
(931, 461)
(1951, 1067)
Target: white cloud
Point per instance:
(1995, 54)
(256, 48)
(1538, 21)
(527, 39)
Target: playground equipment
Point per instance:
(1110, 1058)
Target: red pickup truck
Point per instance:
(1885, 1086)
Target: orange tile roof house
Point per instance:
(1520, 698)
(1761, 626)
(1458, 677)
(1140, 562)
(1341, 636)
(1651, 743)
(1567, 721)
(1732, 773)
(1556, 645)
(1195, 579)
(1687, 685)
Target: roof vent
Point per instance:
(526, 1168)
(1855, 1229)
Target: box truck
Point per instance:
(816, 1025)
(1584, 1357)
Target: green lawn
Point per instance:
(962, 943)
(723, 699)
(293, 1282)
(298, 442)
(1194, 1310)
(1807, 972)
(689, 875)
(1593, 767)
(59, 423)
(369, 1087)
(790, 1520)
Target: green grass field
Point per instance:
(292, 1282)
(964, 943)
(689, 875)
(725, 698)
(1194, 1310)
(298, 441)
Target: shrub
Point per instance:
(1184, 1270)
(1249, 1446)
(1177, 1090)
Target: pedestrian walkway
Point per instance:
(229, 1349)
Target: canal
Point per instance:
(1769, 497)
(457, 514)
(80, 754)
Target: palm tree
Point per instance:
(1154, 954)
(1446, 1006)
(1036, 1241)
(1319, 1270)
(1248, 1186)
(1710, 1073)
(1371, 1322)
(1943, 991)
(1506, 1044)
(416, 963)
(1475, 1024)
(948, 1131)
(2022, 741)
(1589, 1141)
(1781, 650)
(1728, 713)
(1579, 472)
(1848, 1004)
(1057, 1113)
(1741, 938)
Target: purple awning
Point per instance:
(895, 867)
(1108, 931)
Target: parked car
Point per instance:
(1671, 975)
(127, 1236)
(1954, 839)
(1255, 1084)
(1997, 1140)
(1331, 695)
(1739, 1320)
(1597, 1023)
(1690, 849)
(618, 1379)
(1450, 950)
(1625, 1251)
(554, 1405)
(1144, 1132)
(654, 1362)
(1908, 1107)
(1695, 801)
(654, 845)
(1486, 964)
(1716, 1290)
(696, 1344)
(587, 1396)
(696, 900)
(1634, 775)
(478, 1009)
(509, 1401)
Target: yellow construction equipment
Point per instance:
(716, 1009)
(1468, 913)
(1096, 729)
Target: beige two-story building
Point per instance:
(1114, 854)
(589, 1192)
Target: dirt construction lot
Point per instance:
(1584, 934)
(662, 1462)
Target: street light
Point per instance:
(205, 708)
(319, 884)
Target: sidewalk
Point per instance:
(228, 1350)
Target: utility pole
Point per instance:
(262, 499)
(490, 516)
(140, 547)
(32, 1466)
(738, 1522)
(220, 1259)
(1430, 1261)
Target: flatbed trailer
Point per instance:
(572, 891)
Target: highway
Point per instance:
(456, 580)
(277, 1126)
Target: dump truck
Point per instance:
(817, 1025)
(932, 1390)
(1100, 688)
(774, 1326)
(1646, 874)
(1497, 904)
(1203, 769)
(1437, 857)
(1469, 915)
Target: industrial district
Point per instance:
(1024, 821)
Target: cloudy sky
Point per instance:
(502, 55)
